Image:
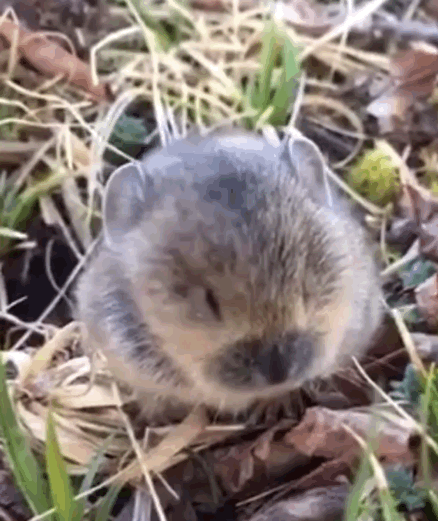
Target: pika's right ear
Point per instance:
(124, 201)
(305, 157)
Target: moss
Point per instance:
(375, 177)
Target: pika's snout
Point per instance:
(254, 363)
(285, 358)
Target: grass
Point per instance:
(49, 488)
(17, 207)
(272, 95)
(383, 494)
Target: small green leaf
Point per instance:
(403, 489)
(128, 136)
(62, 492)
(416, 272)
(129, 129)
(409, 389)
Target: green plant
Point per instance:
(67, 506)
(16, 206)
(409, 389)
(27, 471)
(420, 397)
(369, 500)
(167, 33)
(271, 94)
(52, 490)
(404, 490)
(128, 136)
(416, 272)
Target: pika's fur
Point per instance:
(225, 275)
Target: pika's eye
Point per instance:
(182, 290)
(213, 304)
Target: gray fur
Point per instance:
(226, 275)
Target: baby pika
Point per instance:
(227, 273)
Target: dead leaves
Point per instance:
(326, 503)
(404, 83)
(412, 80)
(320, 450)
(427, 299)
(418, 215)
(311, 17)
(421, 208)
(322, 433)
(51, 59)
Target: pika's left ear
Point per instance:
(305, 158)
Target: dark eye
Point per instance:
(182, 290)
(213, 304)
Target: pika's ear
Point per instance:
(305, 158)
(124, 201)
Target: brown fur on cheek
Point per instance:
(332, 322)
(183, 338)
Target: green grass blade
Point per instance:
(27, 471)
(17, 207)
(268, 57)
(107, 503)
(94, 465)
(93, 469)
(284, 94)
(353, 504)
(59, 480)
(433, 498)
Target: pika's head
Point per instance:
(249, 280)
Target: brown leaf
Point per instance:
(235, 466)
(423, 210)
(426, 295)
(222, 5)
(316, 505)
(321, 434)
(328, 473)
(431, 8)
(250, 461)
(311, 17)
(51, 59)
(413, 78)
(427, 346)
(415, 72)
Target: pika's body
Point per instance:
(227, 274)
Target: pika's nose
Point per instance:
(287, 358)
(273, 365)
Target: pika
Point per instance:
(227, 274)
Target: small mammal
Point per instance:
(226, 275)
